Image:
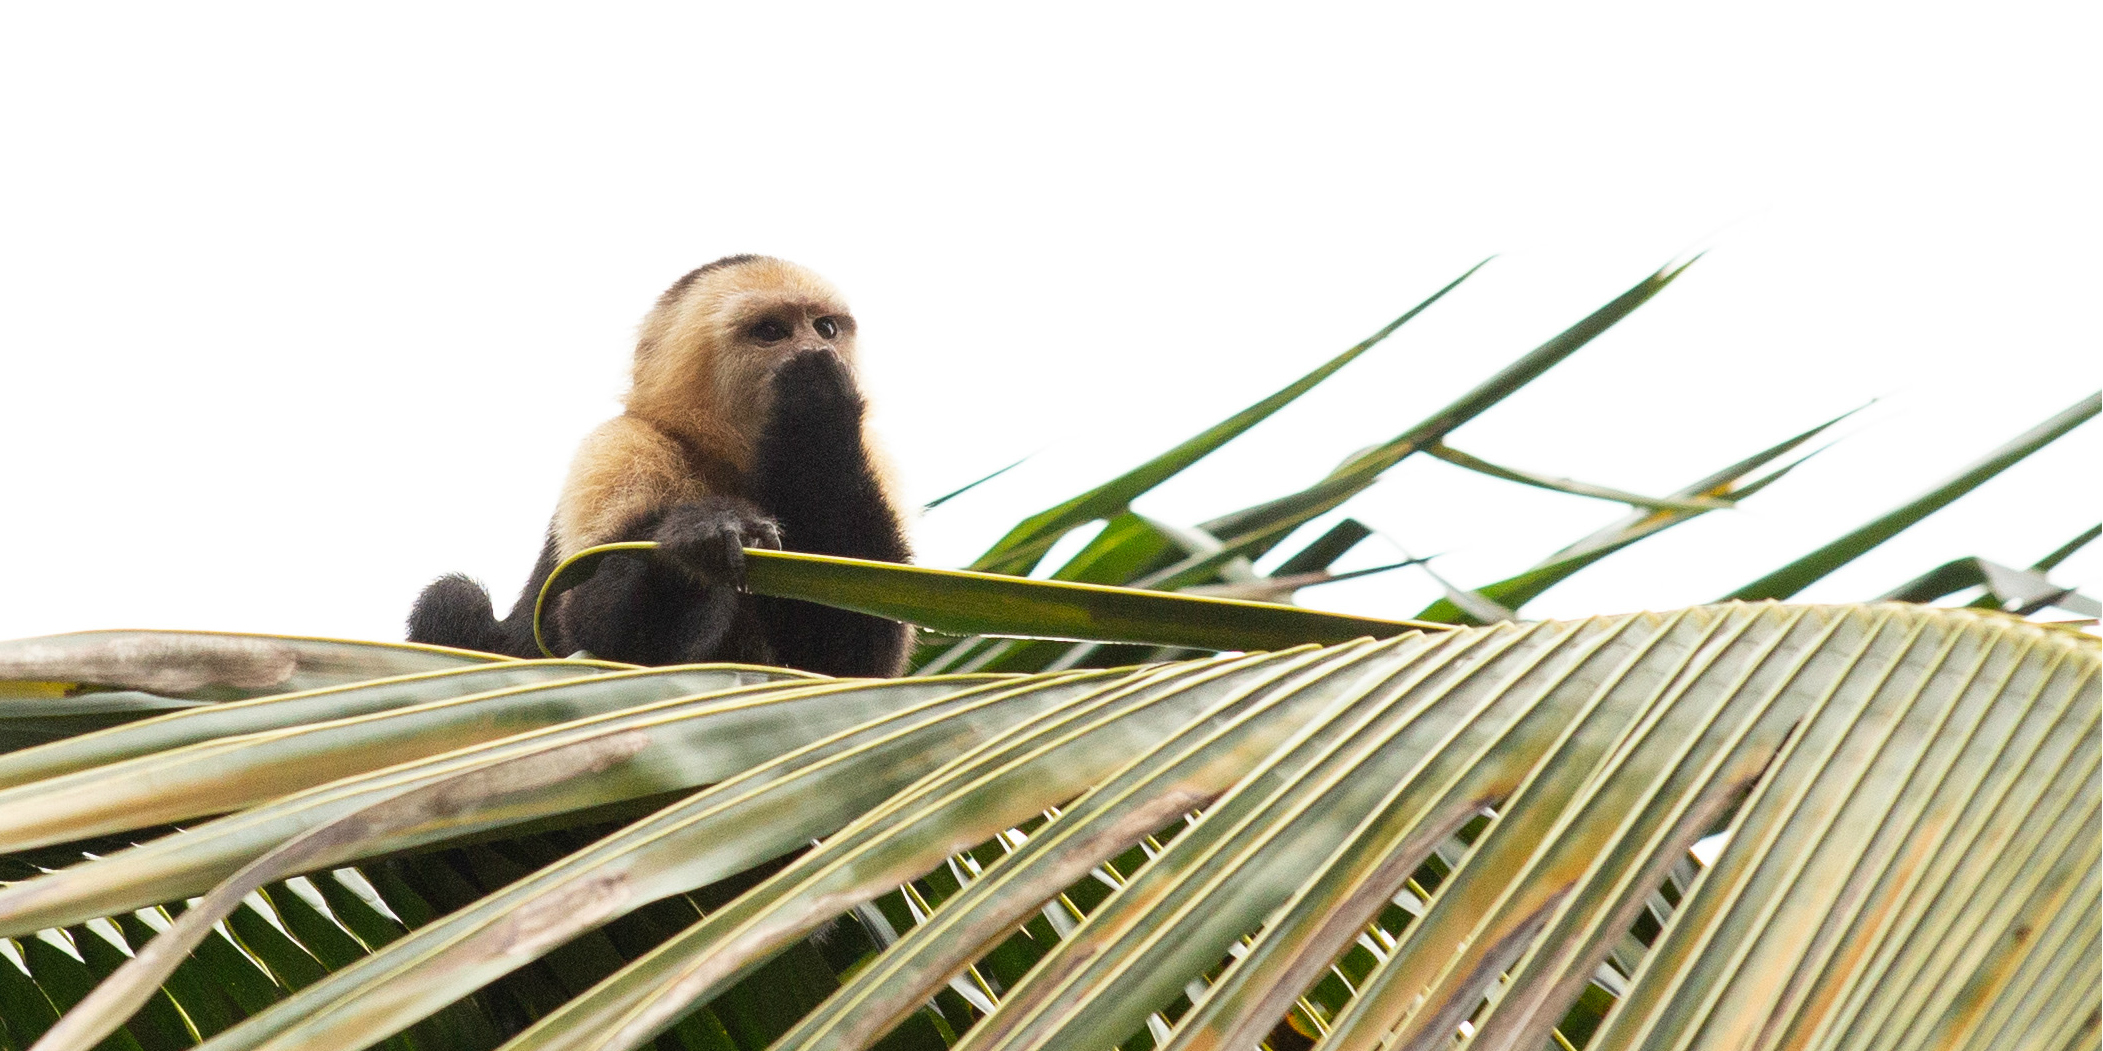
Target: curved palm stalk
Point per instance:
(1126, 544)
(961, 602)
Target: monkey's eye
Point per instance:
(768, 331)
(827, 327)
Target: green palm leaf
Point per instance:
(1251, 531)
(60, 685)
(958, 602)
(1903, 788)
(1800, 574)
(1027, 542)
(1728, 483)
(1346, 831)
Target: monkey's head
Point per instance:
(711, 344)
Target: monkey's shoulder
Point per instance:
(624, 468)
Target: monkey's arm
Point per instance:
(816, 474)
(815, 471)
(624, 469)
(630, 482)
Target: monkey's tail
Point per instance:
(455, 611)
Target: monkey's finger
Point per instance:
(732, 557)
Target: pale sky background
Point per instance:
(299, 309)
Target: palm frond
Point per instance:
(1231, 845)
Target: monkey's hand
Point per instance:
(706, 539)
(815, 393)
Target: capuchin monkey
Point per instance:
(742, 428)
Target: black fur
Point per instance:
(812, 473)
(687, 279)
(812, 489)
(455, 611)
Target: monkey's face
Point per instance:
(764, 328)
(710, 349)
(774, 331)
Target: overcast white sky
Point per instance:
(299, 309)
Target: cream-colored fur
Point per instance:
(624, 468)
(694, 378)
(698, 388)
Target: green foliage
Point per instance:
(1072, 827)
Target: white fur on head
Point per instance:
(694, 378)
